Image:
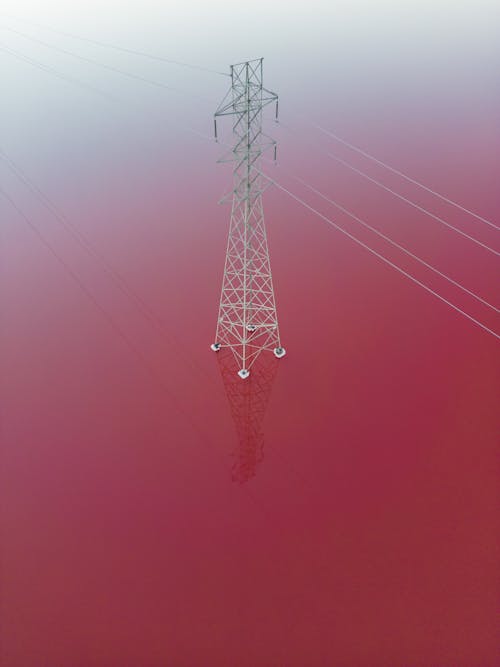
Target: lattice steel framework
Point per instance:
(247, 321)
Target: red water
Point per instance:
(339, 507)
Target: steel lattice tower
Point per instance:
(247, 322)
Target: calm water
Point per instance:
(337, 508)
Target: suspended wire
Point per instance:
(81, 84)
(400, 173)
(114, 46)
(150, 369)
(52, 208)
(110, 68)
(382, 235)
(411, 203)
(56, 73)
(393, 243)
(381, 257)
(159, 84)
(330, 222)
(91, 250)
(78, 236)
(202, 68)
(396, 194)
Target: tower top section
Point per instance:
(247, 91)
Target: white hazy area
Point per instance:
(311, 48)
(218, 33)
(326, 58)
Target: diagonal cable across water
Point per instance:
(381, 257)
(180, 408)
(92, 251)
(107, 96)
(387, 261)
(403, 175)
(391, 263)
(108, 45)
(411, 203)
(110, 68)
(394, 243)
(348, 165)
(59, 75)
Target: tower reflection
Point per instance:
(248, 401)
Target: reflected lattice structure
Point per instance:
(248, 402)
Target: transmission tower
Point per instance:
(247, 322)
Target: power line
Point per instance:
(393, 243)
(384, 259)
(330, 222)
(405, 176)
(385, 237)
(72, 80)
(81, 84)
(78, 236)
(396, 194)
(411, 203)
(151, 370)
(24, 178)
(84, 243)
(56, 73)
(117, 48)
(110, 68)
(187, 414)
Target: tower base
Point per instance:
(243, 373)
(215, 347)
(279, 352)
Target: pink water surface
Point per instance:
(339, 507)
